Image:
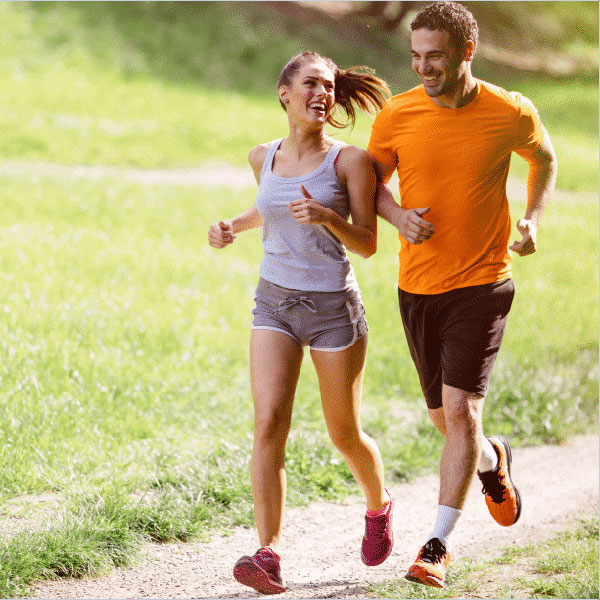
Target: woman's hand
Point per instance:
(221, 234)
(308, 210)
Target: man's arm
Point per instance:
(540, 186)
(409, 222)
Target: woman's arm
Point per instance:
(223, 233)
(409, 222)
(355, 170)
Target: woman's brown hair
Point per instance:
(354, 87)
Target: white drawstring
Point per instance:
(289, 302)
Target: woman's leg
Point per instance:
(275, 360)
(340, 380)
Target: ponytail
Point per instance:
(356, 86)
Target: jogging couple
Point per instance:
(450, 140)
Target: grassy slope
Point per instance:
(159, 84)
(109, 332)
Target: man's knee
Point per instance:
(462, 409)
(438, 419)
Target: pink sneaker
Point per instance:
(260, 572)
(378, 540)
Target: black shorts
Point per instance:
(454, 337)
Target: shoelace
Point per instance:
(289, 302)
(492, 486)
(433, 551)
(268, 561)
(377, 526)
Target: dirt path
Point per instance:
(210, 175)
(320, 547)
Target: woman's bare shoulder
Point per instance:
(257, 155)
(353, 157)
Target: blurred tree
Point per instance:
(388, 14)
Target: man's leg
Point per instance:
(422, 325)
(459, 421)
(471, 340)
(462, 414)
(470, 327)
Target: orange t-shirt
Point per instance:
(456, 162)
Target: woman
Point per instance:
(308, 186)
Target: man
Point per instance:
(450, 140)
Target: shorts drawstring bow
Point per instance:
(303, 300)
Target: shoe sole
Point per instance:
(426, 579)
(248, 573)
(508, 451)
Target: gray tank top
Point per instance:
(303, 256)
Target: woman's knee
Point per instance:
(345, 439)
(271, 427)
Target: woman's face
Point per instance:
(311, 94)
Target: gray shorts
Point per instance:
(328, 321)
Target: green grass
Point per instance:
(565, 566)
(85, 542)
(119, 325)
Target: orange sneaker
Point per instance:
(501, 495)
(431, 564)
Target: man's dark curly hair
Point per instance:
(451, 17)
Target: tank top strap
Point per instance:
(333, 153)
(268, 162)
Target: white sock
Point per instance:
(489, 457)
(444, 525)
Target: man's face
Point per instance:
(436, 61)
